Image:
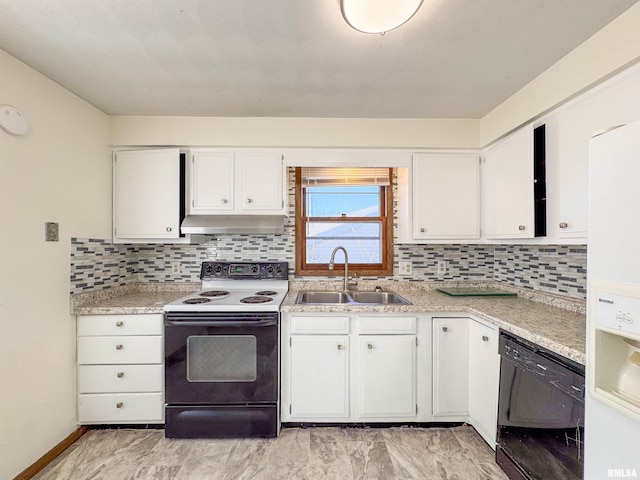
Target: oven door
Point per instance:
(216, 358)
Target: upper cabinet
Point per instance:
(236, 182)
(446, 196)
(508, 182)
(147, 200)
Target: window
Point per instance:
(351, 207)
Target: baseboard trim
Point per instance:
(31, 471)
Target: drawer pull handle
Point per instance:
(369, 346)
(485, 338)
(340, 347)
(119, 405)
(445, 329)
(119, 346)
(120, 374)
(119, 324)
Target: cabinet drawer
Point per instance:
(320, 325)
(119, 350)
(121, 408)
(387, 325)
(119, 325)
(120, 378)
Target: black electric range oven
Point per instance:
(221, 353)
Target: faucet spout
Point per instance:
(346, 265)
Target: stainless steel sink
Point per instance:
(311, 297)
(383, 298)
(322, 297)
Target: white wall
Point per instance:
(59, 171)
(294, 132)
(613, 48)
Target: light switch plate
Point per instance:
(51, 231)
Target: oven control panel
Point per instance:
(240, 270)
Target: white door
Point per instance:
(509, 205)
(319, 376)
(450, 367)
(446, 196)
(484, 377)
(146, 194)
(387, 376)
(212, 182)
(261, 180)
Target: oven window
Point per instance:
(222, 358)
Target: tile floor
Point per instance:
(297, 454)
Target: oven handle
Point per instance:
(256, 323)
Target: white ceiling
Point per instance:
(295, 58)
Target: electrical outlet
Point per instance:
(51, 231)
(442, 267)
(405, 268)
(175, 267)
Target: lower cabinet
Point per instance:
(466, 371)
(350, 369)
(120, 369)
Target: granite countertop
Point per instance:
(558, 329)
(554, 322)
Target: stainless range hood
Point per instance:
(211, 224)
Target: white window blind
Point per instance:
(341, 176)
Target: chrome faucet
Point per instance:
(346, 265)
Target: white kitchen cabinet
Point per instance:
(446, 196)
(319, 376)
(450, 367)
(508, 193)
(356, 368)
(146, 196)
(387, 376)
(236, 182)
(484, 377)
(120, 369)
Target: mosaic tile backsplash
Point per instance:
(560, 269)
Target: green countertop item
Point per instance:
(476, 292)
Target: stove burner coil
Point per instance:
(192, 301)
(268, 293)
(214, 293)
(256, 299)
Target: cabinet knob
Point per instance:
(485, 338)
(225, 201)
(521, 227)
(369, 346)
(119, 405)
(120, 374)
(119, 324)
(563, 224)
(340, 347)
(249, 200)
(445, 329)
(422, 230)
(169, 229)
(119, 347)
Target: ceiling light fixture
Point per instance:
(378, 16)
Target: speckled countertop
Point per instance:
(561, 330)
(554, 322)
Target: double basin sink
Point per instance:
(350, 298)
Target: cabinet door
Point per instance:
(446, 196)
(387, 376)
(261, 180)
(484, 373)
(146, 194)
(212, 182)
(509, 206)
(450, 367)
(319, 376)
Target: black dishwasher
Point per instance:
(540, 412)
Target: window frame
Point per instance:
(322, 269)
